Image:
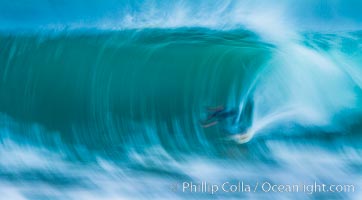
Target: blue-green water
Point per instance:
(92, 112)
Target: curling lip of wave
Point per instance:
(278, 17)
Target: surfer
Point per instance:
(217, 115)
(239, 128)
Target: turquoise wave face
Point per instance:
(103, 82)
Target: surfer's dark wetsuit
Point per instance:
(218, 114)
(233, 121)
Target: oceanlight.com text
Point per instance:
(265, 186)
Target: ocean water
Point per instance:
(106, 100)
